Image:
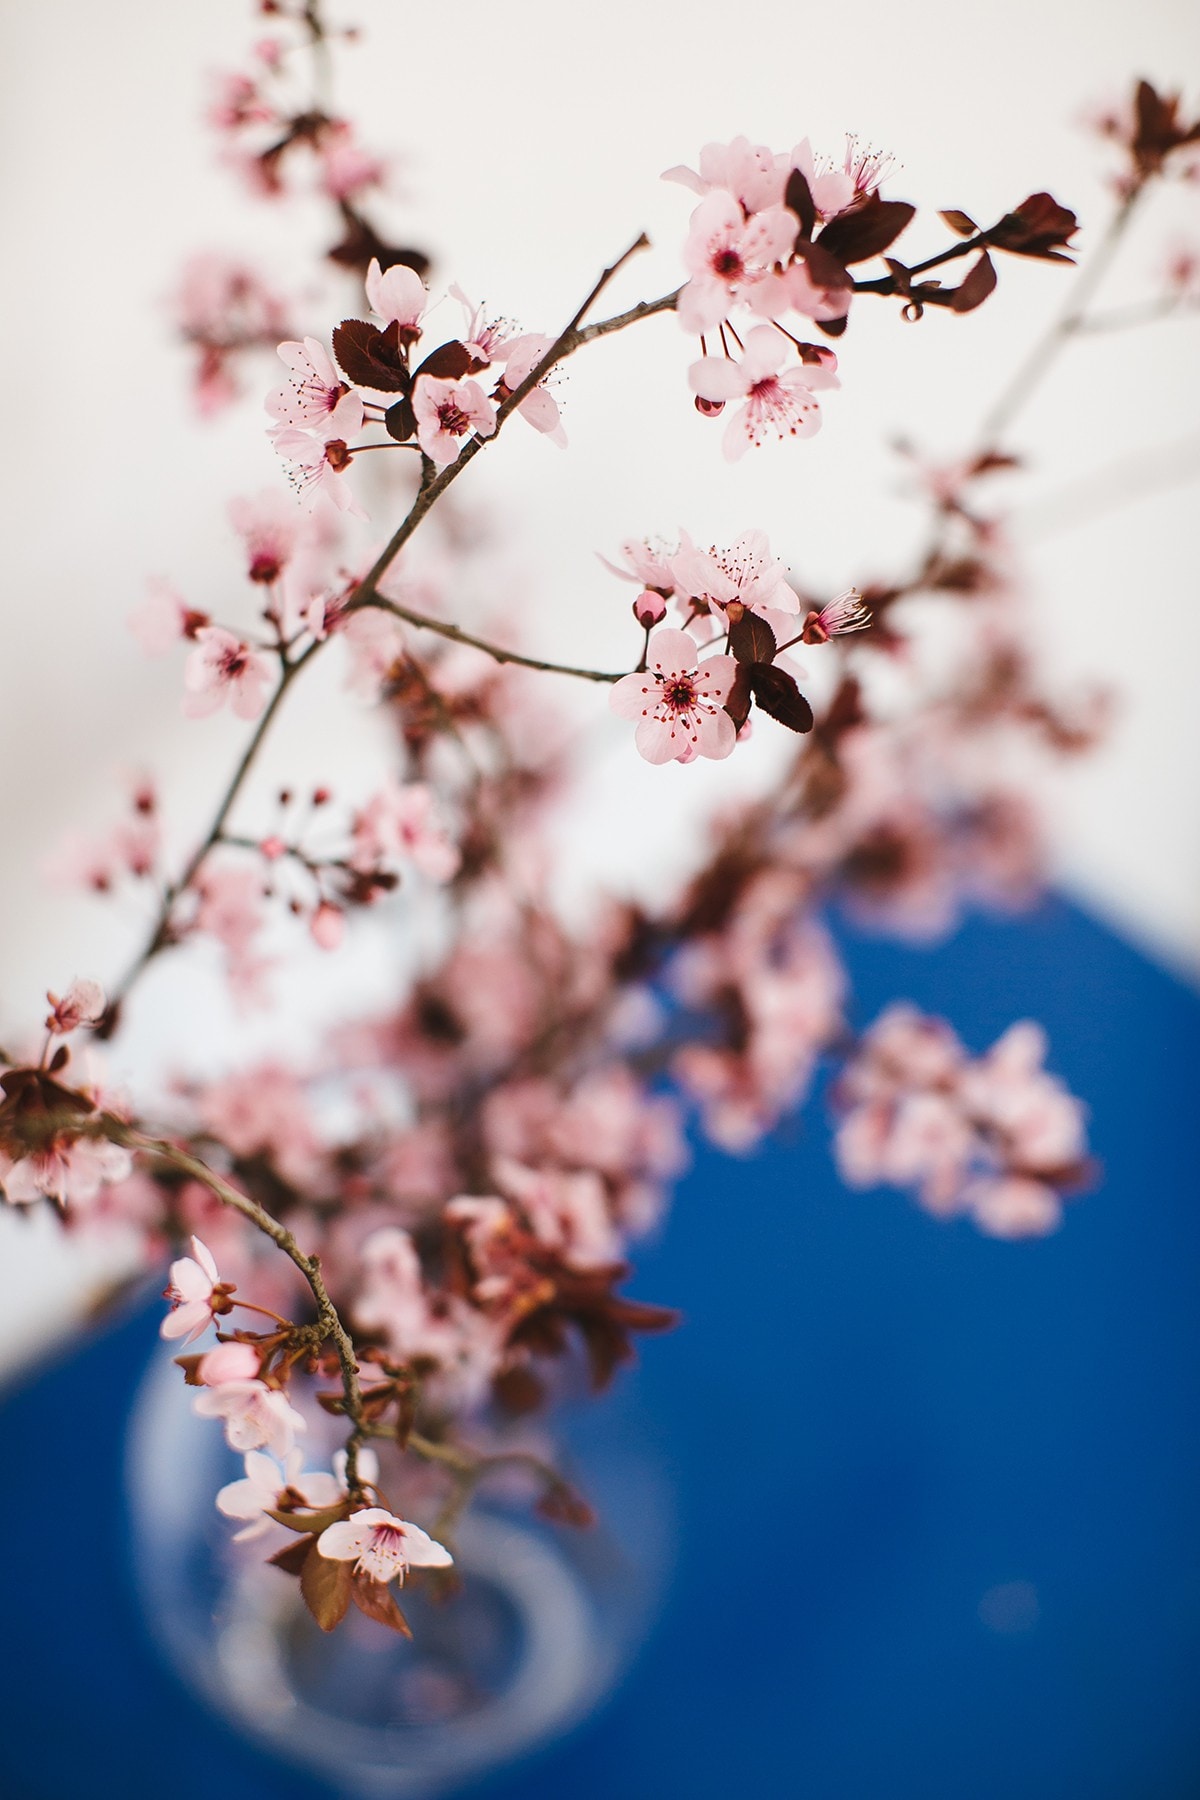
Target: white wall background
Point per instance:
(533, 138)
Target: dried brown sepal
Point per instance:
(376, 1600)
(776, 692)
(975, 288)
(191, 1366)
(371, 358)
(867, 231)
(326, 1585)
(751, 640)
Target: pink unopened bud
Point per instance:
(328, 925)
(649, 608)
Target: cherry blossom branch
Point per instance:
(1032, 372)
(328, 1323)
(457, 635)
(432, 486)
(1146, 312)
(160, 936)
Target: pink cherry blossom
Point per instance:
(316, 398)
(752, 173)
(318, 467)
(347, 170)
(69, 1172)
(446, 412)
(381, 1546)
(270, 529)
(270, 1486)
(195, 1293)
(539, 406)
(163, 618)
(256, 1417)
(234, 1361)
(727, 254)
(781, 403)
(1014, 1206)
(397, 296)
(746, 572)
(82, 1004)
(679, 701)
(486, 339)
(223, 667)
(843, 615)
(400, 820)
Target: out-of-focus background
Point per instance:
(531, 142)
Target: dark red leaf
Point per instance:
(751, 640)
(325, 1585)
(400, 421)
(832, 327)
(449, 362)
(1037, 227)
(959, 222)
(777, 694)
(975, 289)
(375, 1598)
(737, 700)
(797, 196)
(825, 270)
(370, 358)
(867, 231)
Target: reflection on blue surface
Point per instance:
(937, 1495)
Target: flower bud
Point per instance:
(649, 608)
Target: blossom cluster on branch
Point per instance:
(420, 1238)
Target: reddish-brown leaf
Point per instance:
(959, 222)
(400, 421)
(449, 362)
(751, 640)
(867, 231)
(325, 1585)
(370, 358)
(314, 1522)
(975, 289)
(777, 694)
(1037, 228)
(293, 1556)
(797, 196)
(737, 700)
(375, 1598)
(825, 269)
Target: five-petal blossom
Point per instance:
(678, 701)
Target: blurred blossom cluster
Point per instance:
(413, 1243)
